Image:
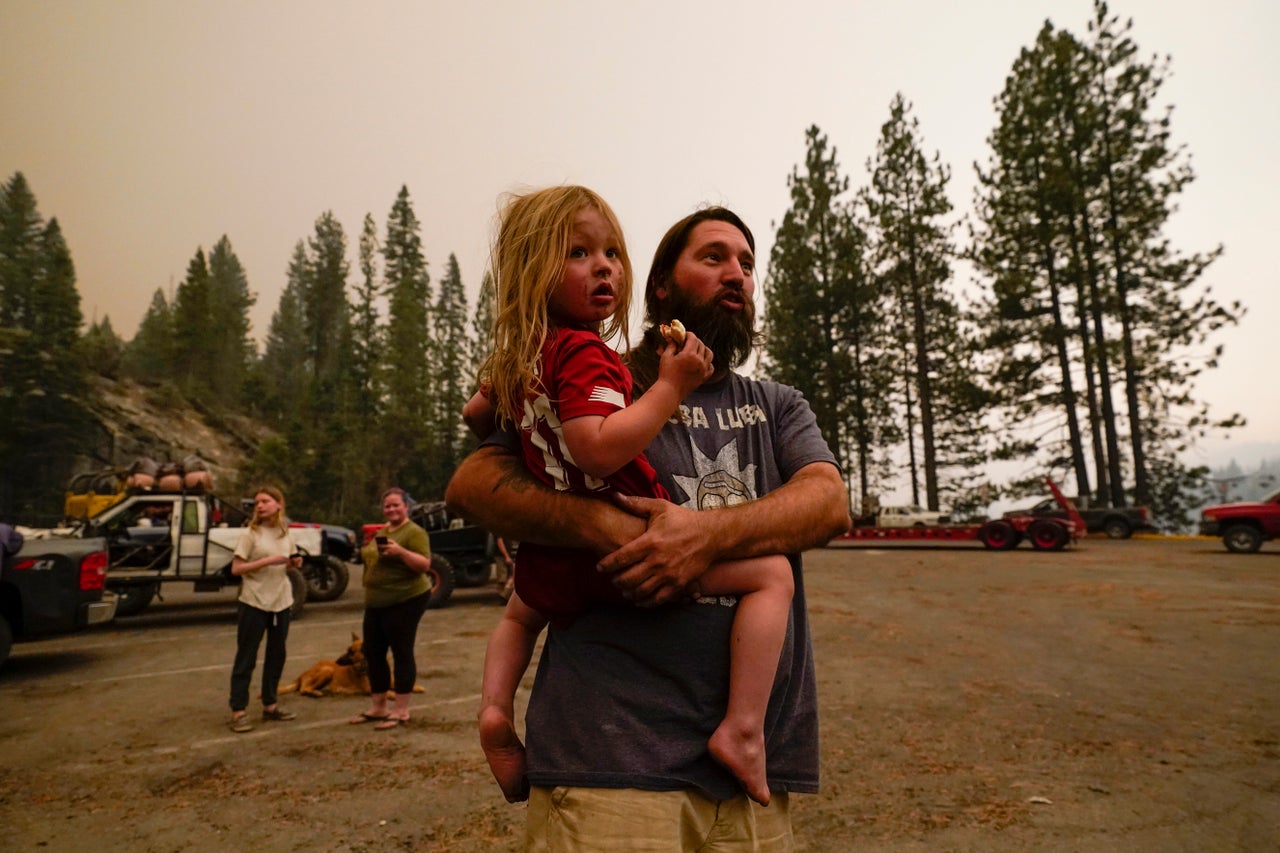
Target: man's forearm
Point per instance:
(806, 512)
(493, 488)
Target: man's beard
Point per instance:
(730, 335)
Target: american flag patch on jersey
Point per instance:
(601, 394)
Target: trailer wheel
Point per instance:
(441, 574)
(998, 535)
(1047, 535)
(1117, 528)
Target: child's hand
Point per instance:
(686, 366)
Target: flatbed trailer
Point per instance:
(997, 534)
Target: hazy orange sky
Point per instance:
(152, 128)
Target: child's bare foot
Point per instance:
(742, 751)
(505, 754)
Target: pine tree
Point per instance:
(41, 419)
(1072, 212)
(825, 326)
(909, 205)
(328, 427)
(231, 350)
(367, 331)
(325, 315)
(193, 336)
(101, 350)
(1143, 174)
(283, 368)
(408, 379)
(1025, 205)
(150, 355)
(482, 322)
(20, 253)
(456, 373)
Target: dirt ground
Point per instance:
(1117, 696)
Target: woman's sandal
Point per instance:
(366, 717)
(392, 723)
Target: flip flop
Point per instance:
(365, 717)
(391, 723)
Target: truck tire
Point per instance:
(999, 535)
(1117, 528)
(441, 573)
(327, 577)
(1047, 535)
(299, 585)
(1242, 538)
(132, 599)
(6, 639)
(472, 573)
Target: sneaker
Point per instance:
(241, 724)
(277, 715)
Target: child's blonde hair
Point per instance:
(527, 261)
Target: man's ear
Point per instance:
(660, 292)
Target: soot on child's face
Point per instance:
(592, 280)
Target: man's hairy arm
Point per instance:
(679, 544)
(493, 488)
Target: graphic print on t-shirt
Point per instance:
(718, 482)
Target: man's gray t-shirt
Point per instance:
(627, 697)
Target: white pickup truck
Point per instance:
(165, 537)
(911, 515)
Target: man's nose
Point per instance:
(732, 274)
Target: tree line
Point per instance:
(1075, 348)
(1079, 351)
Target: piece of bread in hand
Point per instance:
(673, 332)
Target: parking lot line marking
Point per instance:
(133, 676)
(137, 675)
(263, 728)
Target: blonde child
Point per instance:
(563, 281)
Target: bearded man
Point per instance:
(626, 697)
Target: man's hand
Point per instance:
(679, 544)
(658, 566)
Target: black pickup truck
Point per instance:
(50, 586)
(1116, 522)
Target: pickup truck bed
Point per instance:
(53, 586)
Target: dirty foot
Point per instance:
(505, 754)
(743, 754)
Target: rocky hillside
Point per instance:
(133, 419)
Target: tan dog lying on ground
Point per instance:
(348, 675)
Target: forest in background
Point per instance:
(1075, 346)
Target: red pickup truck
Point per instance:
(1243, 526)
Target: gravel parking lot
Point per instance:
(1120, 695)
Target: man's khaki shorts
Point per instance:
(625, 820)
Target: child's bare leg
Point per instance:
(506, 658)
(765, 587)
(504, 752)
